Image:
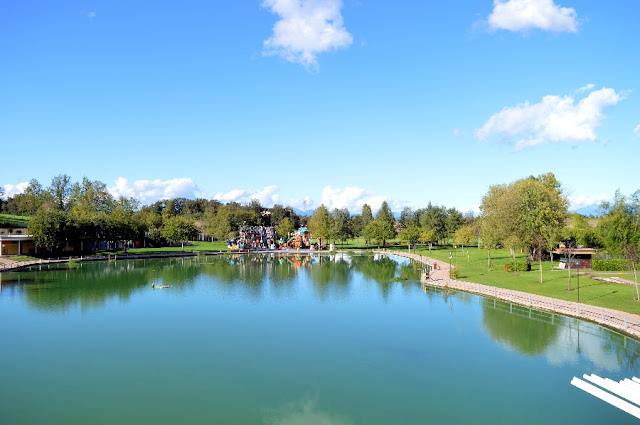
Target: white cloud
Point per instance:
(303, 412)
(91, 15)
(457, 132)
(524, 15)
(581, 201)
(306, 28)
(637, 130)
(585, 88)
(267, 196)
(555, 119)
(149, 191)
(353, 198)
(11, 189)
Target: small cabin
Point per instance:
(573, 257)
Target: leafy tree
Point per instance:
(179, 229)
(427, 236)
(60, 191)
(89, 197)
(49, 228)
(384, 224)
(374, 232)
(34, 197)
(320, 224)
(410, 234)
(409, 217)
(434, 217)
(277, 213)
(530, 212)
(632, 253)
(361, 221)
(454, 220)
(340, 226)
(285, 226)
(219, 225)
(465, 236)
(542, 211)
(620, 224)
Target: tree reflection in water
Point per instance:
(92, 284)
(560, 340)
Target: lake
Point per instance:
(268, 339)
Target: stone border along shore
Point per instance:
(626, 323)
(15, 265)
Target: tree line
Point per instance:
(528, 215)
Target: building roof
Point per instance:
(575, 251)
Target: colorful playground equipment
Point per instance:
(254, 238)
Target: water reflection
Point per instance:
(303, 412)
(91, 285)
(560, 340)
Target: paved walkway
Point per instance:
(627, 323)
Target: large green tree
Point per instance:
(60, 191)
(529, 212)
(320, 224)
(179, 229)
(383, 227)
(341, 229)
(50, 227)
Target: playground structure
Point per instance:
(299, 239)
(253, 238)
(256, 238)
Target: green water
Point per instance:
(268, 340)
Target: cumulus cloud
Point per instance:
(555, 119)
(457, 132)
(149, 191)
(306, 28)
(14, 189)
(581, 201)
(353, 198)
(637, 130)
(525, 15)
(267, 196)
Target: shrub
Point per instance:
(612, 265)
(454, 273)
(520, 266)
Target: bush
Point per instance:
(610, 265)
(520, 266)
(454, 273)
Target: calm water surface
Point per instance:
(330, 340)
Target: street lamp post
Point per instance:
(450, 257)
(578, 278)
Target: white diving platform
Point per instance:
(625, 395)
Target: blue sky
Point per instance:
(341, 102)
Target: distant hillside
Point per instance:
(587, 211)
(8, 220)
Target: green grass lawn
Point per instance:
(21, 258)
(555, 282)
(197, 246)
(9, 220)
